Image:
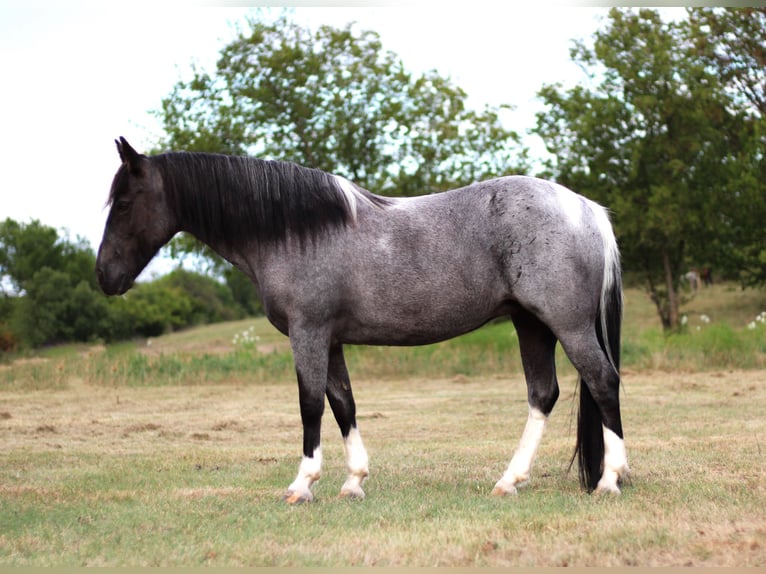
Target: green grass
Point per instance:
(193, 476)
(209, 355)
(177, 452)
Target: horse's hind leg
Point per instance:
(603, 458)
(343, 407)
(537, 344)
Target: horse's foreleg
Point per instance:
(343, 407)
(518, 471)
(310, 353)
(537, 345)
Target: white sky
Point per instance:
(75, 75)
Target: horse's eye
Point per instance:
(122, 205)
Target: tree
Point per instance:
(333, 99)
(55, 309)
(27, 248)
(155, 309)
(52, 294)
(733, 43)
(211, 301)
(651, 141)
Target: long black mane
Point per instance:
(240, 198)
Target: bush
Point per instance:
(211, 301)
(54, 310)
(243, 291)
(154, 308)
(55, 297)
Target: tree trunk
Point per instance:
(672, 295)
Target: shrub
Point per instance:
(154, 308)
(55, 310)
(211, 301)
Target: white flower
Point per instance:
(704, 318)
(245, 338)
(684, 319)
(760, 318)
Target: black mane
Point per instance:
(239, 198)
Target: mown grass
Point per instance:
(177, 453)
(193, 476)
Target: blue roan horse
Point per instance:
(336, 264)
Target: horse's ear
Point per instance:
(128, 155)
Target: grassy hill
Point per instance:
(716, 336)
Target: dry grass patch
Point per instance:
(193, 475)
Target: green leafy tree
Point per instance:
(733, 43)
(211, 301)
(243, 291)
(55, 310)
(334, 99)
(25, 248)
(51, 293)
(154, 309)
(652, 141)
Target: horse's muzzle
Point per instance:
(113, 281)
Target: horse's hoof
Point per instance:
(504, 491)
(352, 493)
(294, 498)
(607, 490)
(610, 482)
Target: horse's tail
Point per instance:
(590, 436)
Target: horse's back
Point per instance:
(543, 242)
(434, 266)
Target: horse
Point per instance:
(335, 264)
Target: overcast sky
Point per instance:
(78, 74)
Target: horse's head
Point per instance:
(139, 221)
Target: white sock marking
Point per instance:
(615, 462)
(308, 473)
(357, 463)
(518, 470)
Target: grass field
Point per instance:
(177, 453)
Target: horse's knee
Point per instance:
(543, 397)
